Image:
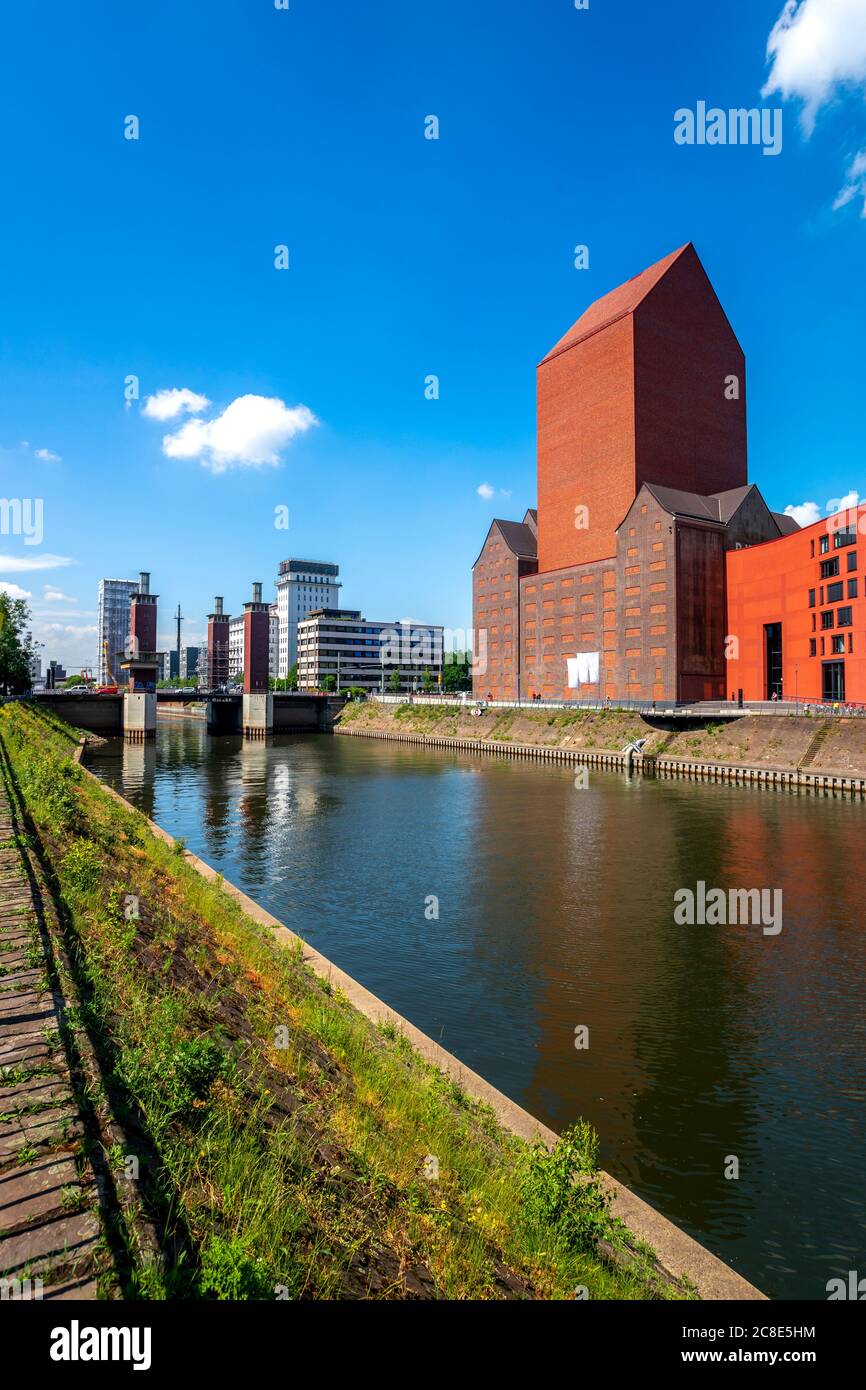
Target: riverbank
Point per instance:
(281, 1140)
(774, 748)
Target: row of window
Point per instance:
(837, 645)
(835, 592)
(840, 539)
(843, 617)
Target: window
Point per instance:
(852, 588)
(835, 592)
(845, 617)
(852, 559)
(827, 620)
(813, 622)
(812, 545)
(838, 644)
(811, 598)
(825, 544)
(812, 645)
(829, 567)
(833, 680)
(844, 538)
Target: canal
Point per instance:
(500, 907)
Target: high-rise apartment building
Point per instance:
(302, 586)
(114, 598)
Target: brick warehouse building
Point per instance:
(617, 587)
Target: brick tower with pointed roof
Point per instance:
(649, 386)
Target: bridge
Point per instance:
(293, 711)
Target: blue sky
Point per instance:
(408, 257)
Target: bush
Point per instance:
(561, 1191)
(82, 868)
(228, 1272)
(186, 1074)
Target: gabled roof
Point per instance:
(517, 535)
(520, 538)
(720, 507)
(680, 503)
(731, 501)
(623, 300)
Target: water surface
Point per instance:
(555, 911)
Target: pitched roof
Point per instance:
(786, 524)
(730, 501)
(623, 300)
(680, 503)
(519, 537)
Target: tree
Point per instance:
(395, 681)
(17, 653)
(292, 678)
(329, 684)
(455, 672)
(427, 682)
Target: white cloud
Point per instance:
(249, 433)
(177, 400)
(13, 590)
(855, 185)
(805, 514)
(48, 455)
(488, 492)
(52, 595)
(816, 48)
(25, 564)
(68, 629)
(841, 504)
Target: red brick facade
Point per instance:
(648, 386)
(642, 490)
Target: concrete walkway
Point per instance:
(49, 1224)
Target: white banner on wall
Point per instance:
(582, 669)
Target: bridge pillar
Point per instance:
(222, 717)
(258, 707)
(139, 716)
(258, 715)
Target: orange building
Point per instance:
(797, 614)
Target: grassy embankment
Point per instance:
(284, 1140)
(779, 741)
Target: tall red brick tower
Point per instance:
(257, 633)
(142, 662)
(649, 386)
(217, 645)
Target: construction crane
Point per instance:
(110, 687)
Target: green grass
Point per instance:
(285, 1142)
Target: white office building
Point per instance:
(113, 627)
(302, 586)
(236, 647)
(354, 651)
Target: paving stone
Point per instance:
(67, 1236)
(28, 976)
(78, 1289)
(26, 1049)
(36, 1090)
(34, 1190)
